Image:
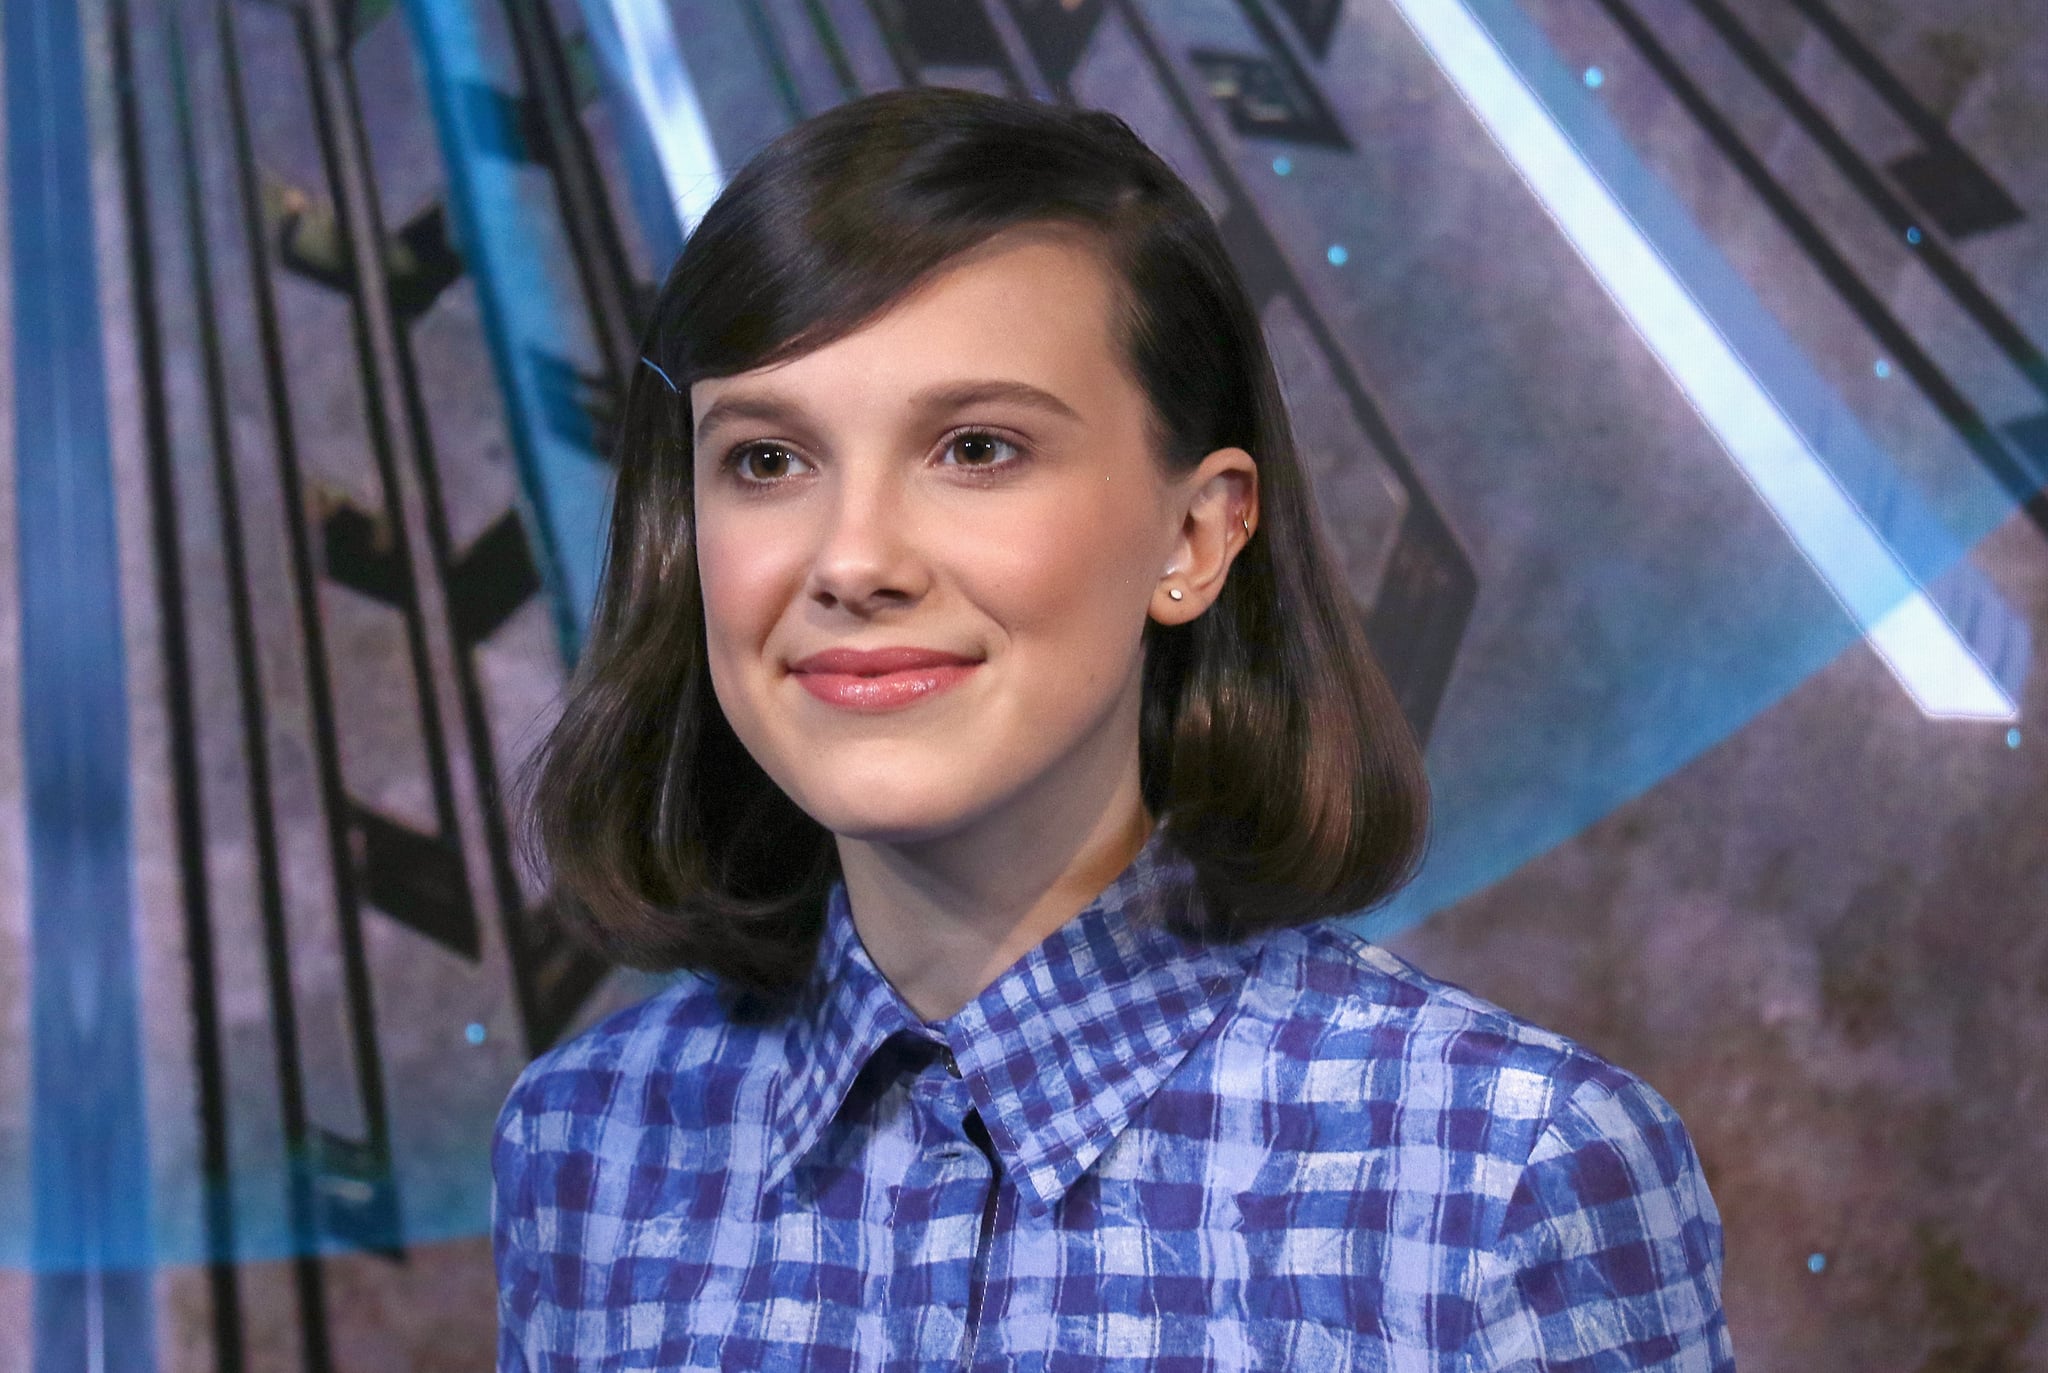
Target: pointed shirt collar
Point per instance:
(1059, 1051)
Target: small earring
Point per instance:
(1175, 593)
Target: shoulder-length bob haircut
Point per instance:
(1273, 750)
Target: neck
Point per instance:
(943, 918)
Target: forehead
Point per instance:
(1035, 304)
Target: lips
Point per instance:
(880, 680)
(877, 662)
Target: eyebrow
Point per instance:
(772, 407)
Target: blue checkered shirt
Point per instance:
(1130, 1151)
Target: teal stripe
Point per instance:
(566, 487)
(88, 1143)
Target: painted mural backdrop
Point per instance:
(1671, 376)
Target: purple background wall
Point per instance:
(367, 275)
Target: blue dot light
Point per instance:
(1816, 1263)
(1883, 369)
(1594, 76)
(2012, 737)
(1337, 255)
(475, 1033)
(1912, 233)
(1281, 166)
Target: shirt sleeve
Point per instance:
(512, 1234)
(1610, 1257)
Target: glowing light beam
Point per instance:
(661, 87)
(1910, 634)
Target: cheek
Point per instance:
(1062, 578)
(739, 589)
(737, 577)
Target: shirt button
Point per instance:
(946, 1057)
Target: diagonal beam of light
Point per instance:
(667, 98)
(1909, 633)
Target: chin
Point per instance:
(872, 819)
(870, 827)
(895, 810)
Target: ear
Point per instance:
(1220, 504)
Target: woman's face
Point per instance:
(1027, 530)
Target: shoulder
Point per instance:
(632, 1067)
(1569, 1181)
(1351, 1028)
(1329, 996)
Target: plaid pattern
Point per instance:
(1297, 1152)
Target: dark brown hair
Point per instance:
(1272, 749)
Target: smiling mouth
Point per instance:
(871, 692)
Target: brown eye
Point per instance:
(979, 449)
(735, 461)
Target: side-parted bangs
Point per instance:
(1272, 748)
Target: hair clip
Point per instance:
(659, 373)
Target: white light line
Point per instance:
(1909, 633)
(668, 103)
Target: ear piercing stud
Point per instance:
(1175, 591)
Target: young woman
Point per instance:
(974, 708)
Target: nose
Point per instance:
(866, 553)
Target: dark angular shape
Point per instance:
(422, 262)
(1957, 194)
(492, 580)
(417, 879)
(358, 547)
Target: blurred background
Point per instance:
(1672, 377)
